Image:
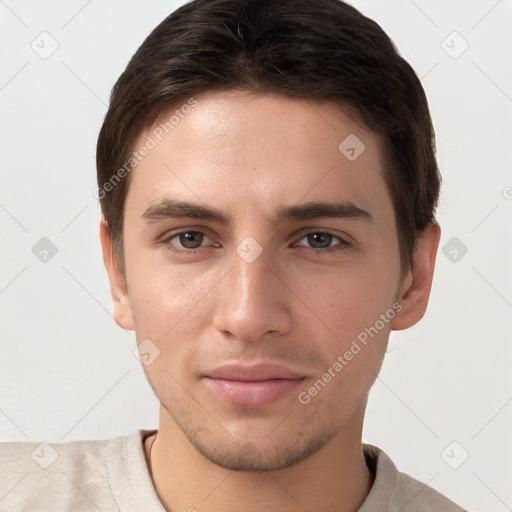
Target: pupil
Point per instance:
(191, 240)
(320, 240)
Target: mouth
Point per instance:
(252, 386)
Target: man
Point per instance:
(268, 183)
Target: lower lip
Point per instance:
(252, 393)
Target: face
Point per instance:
(263, 273)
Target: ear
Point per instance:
(122, 307)
(415, 289)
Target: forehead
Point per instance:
(239, 150)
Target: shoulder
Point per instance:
(58, 476)
(396, 491)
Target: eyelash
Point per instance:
(341, 246)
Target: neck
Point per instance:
(334, 478)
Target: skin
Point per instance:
(248, 155)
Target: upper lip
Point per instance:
(253, 372)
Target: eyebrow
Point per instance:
(168, 208)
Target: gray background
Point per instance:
(68, 372)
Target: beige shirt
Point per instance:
(112, 476)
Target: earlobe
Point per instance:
(415, 289)
(122, 307)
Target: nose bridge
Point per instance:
(252, 299)
(250, 271)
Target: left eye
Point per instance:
(322, 240)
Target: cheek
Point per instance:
(170, 309)
(353, 345)
(356, 307)
(168, 299)
(348, 300)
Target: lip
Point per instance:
(253, 372)
(252, 386)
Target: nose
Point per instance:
(253, 299)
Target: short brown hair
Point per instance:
(316, 49)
